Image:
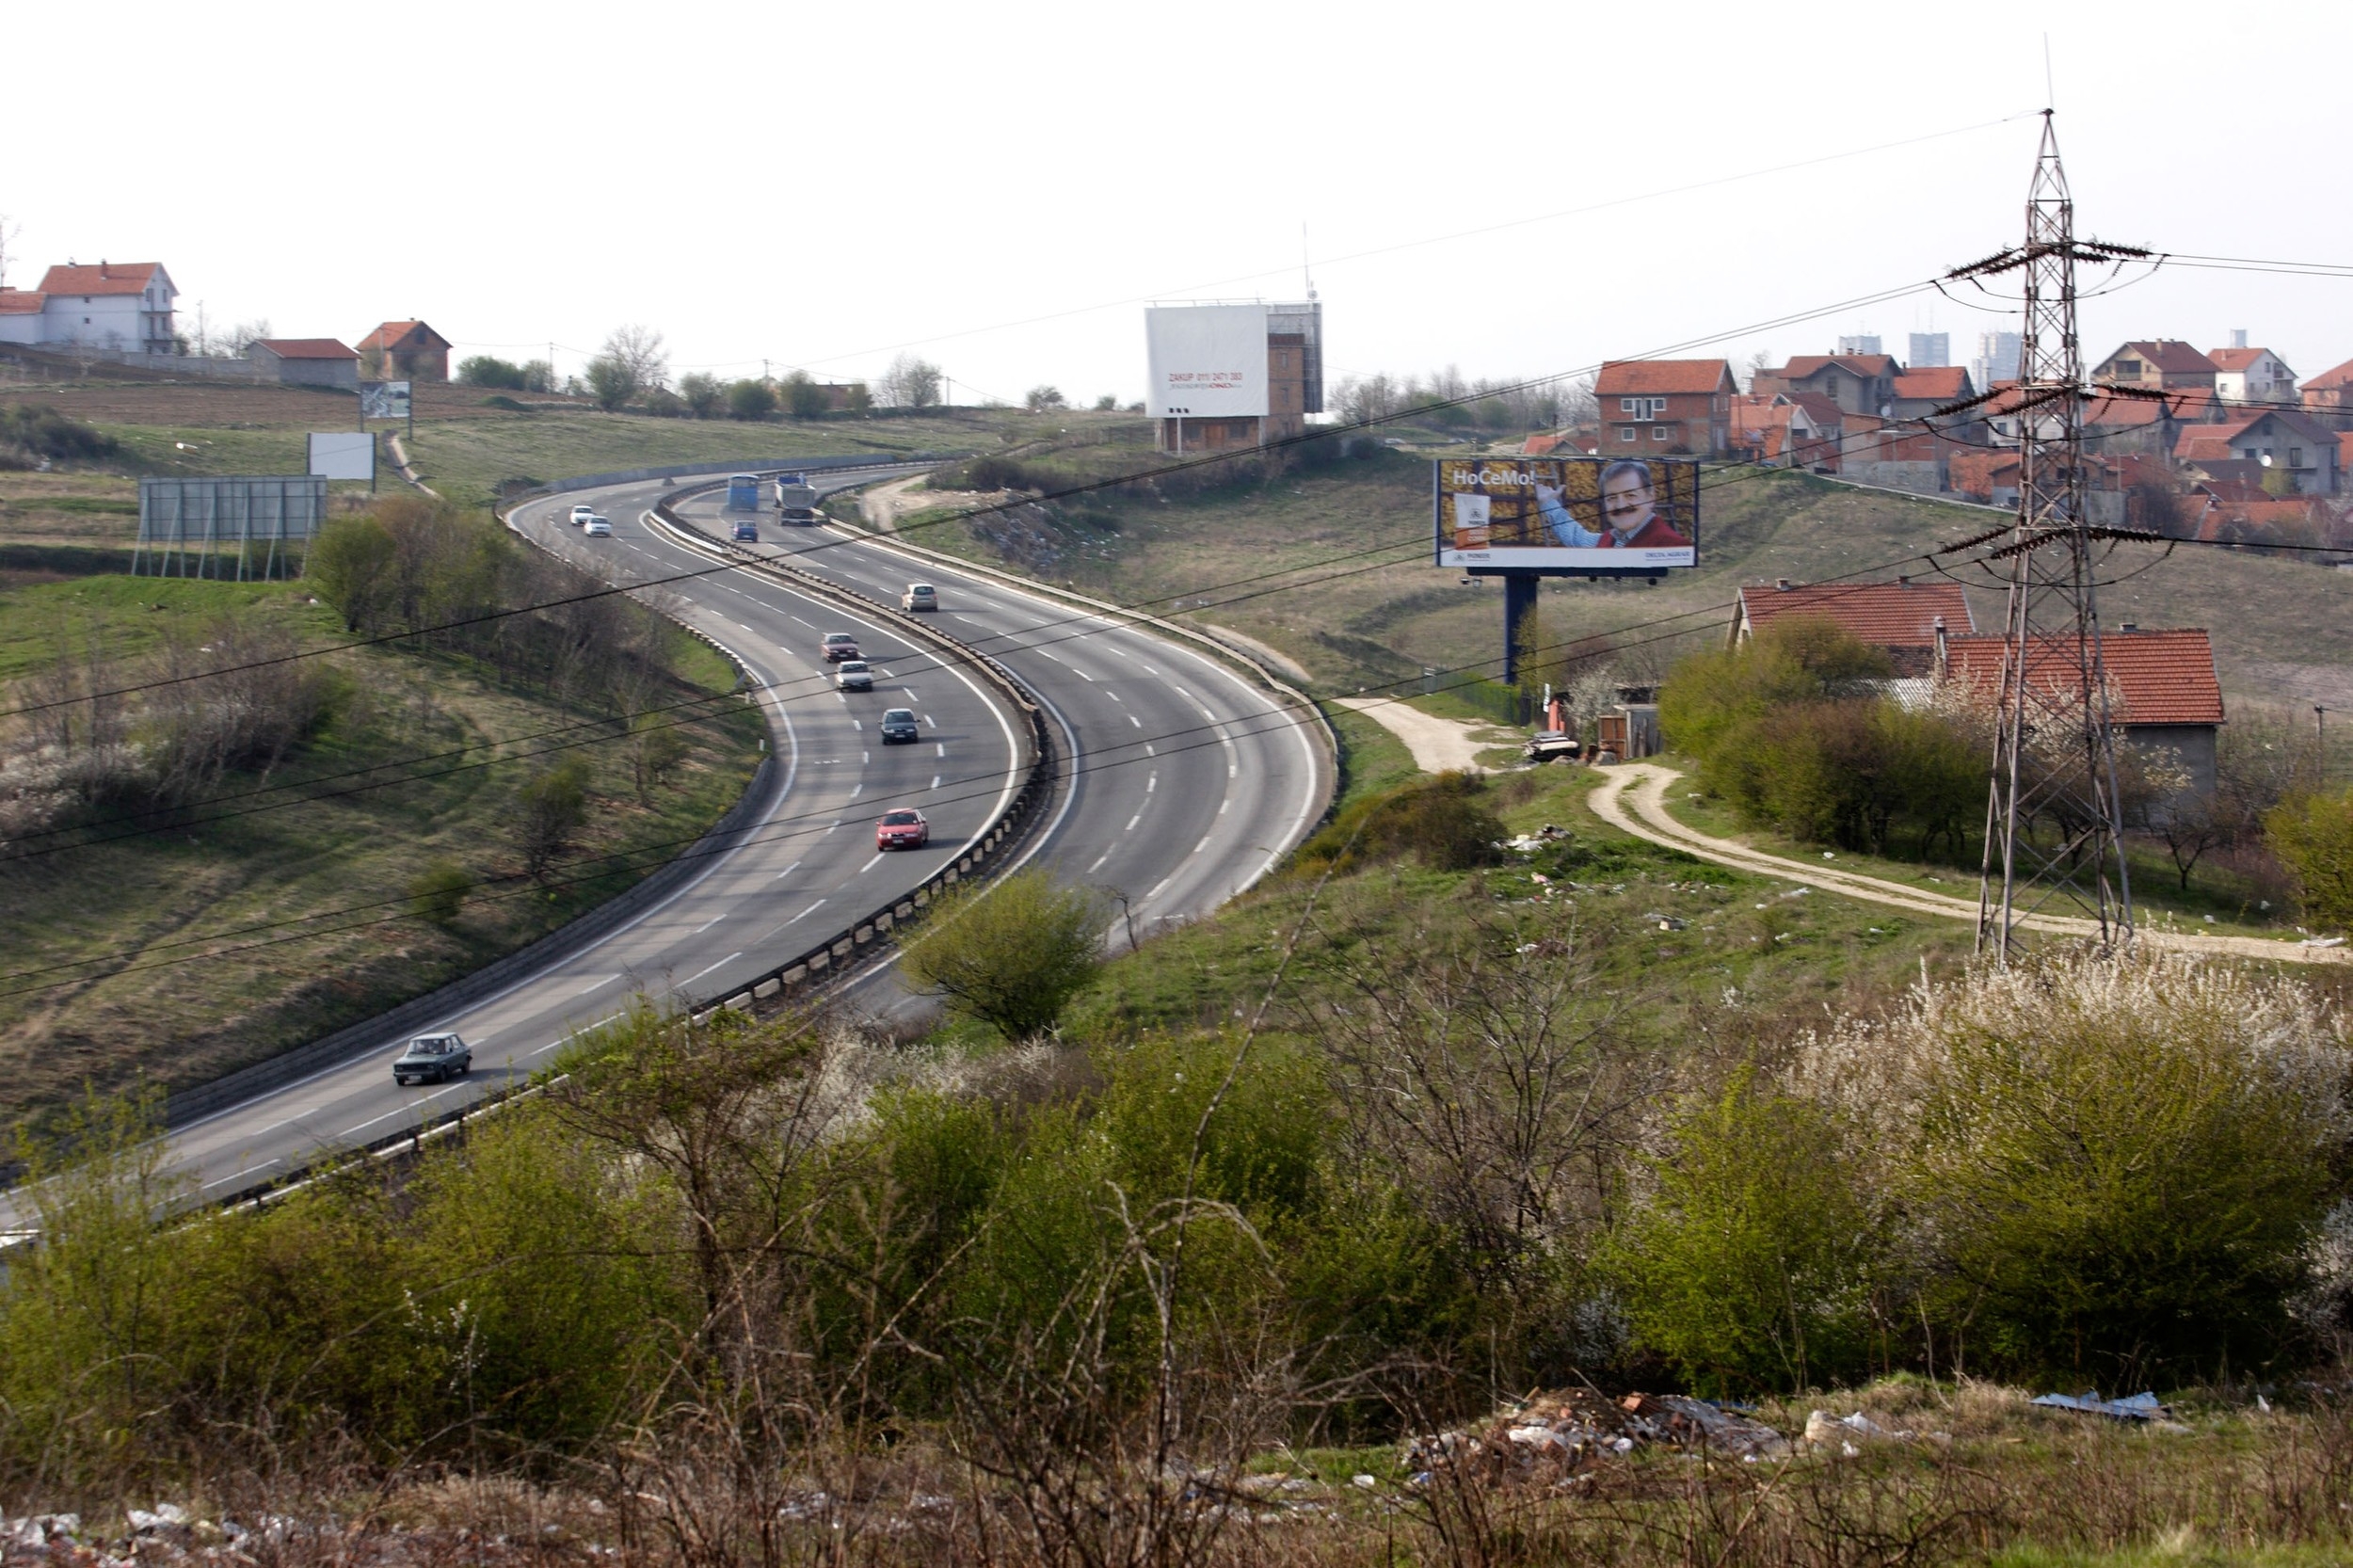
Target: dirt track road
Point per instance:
(1646, 783)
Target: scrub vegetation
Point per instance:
(199, 871)
(1403, 1132)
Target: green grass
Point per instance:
(135, 911)
(2156, 890)
(1608, 892)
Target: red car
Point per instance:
(839, 646)
(903, 829)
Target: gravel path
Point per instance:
(1646, 784)
(1439, 745)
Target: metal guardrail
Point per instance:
(827, 961)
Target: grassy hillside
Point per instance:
(256, 892)
(1327, 563)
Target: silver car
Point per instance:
(853, 674)
(431, 1058)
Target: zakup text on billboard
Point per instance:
(1567, 514)
(1206, 362)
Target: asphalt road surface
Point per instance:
(1185, 784)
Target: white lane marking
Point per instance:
(1233, 770)
(588, 983)
(910, 691)
(1120, 652)
(246, 1172)
(1202, 846)
(1148, 750)
(837, 822)
(1099, 862)
(855, 725)
(805, 913)
(1149, 670)
(1137, 722)
(803, 622)
(860, 791)
(1079, 673)
(871, 864)
(707, 968)
(1152, 783)
(940, 746)
(1131, 822)
(707, 924)
(1161, 883)
(865, 757)
(1224, 804)
(933, 722)
(1115, 697)
(935, 782)
(787, 872)
(402, 1111)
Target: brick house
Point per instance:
(1918, 393)
(404, 351)
(1857, 383)
(2277, 438)
(2166, 693)
(307, 361)
(1656, 407)
(2253, 376)
(2329, 396)
(1902, 616)
(1786, 430)
(2160, 364)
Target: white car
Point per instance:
(920, 596)
(853, 674)
(597, 528)
(582, 513)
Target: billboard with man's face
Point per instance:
(1567, 514)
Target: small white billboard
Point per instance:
(343, 455)
(1206, 361)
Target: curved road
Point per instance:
(1183, 785)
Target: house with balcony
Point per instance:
(121, 307)
(1665, 408)
(2157, 364)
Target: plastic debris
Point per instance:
(2140, 1407)
(1556, 1434)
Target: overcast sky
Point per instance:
(1000, 187)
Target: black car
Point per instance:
(431, 1058)
(898, 723)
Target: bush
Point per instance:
(488, 370)
(702, 394)
(2108, 1168)
(1010, 955)
(1749, 1267)
(803, 397)
(438, 893)
(555, 808)
(2312, 836)
(41, 431)
(751, 400)
(1444, 821)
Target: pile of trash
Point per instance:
(1560, 1433)
(168, 1533)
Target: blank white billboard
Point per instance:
(343, 455)
(1206, 361)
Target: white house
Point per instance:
(2253, 376)
(124, 306)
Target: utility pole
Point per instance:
(2055, 752)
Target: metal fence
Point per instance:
(198, 527)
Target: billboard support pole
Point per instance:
(1519, 609)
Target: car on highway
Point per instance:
(920, 596)
(431, 1058)
(747, 531)
(839, 646)
(853, 674)
(597, 528)
(902, 829)
(582, 513)
(898, 723)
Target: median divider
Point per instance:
(822, 965)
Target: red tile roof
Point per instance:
(1804, 366)
(105, 277)
(392, 333)
(1945, 383)
(2336, 376)
(1626, 378)
(306, 348)
(2166, 356)
(20, 302)
(2159, 677)
(1888, 614)
(2235, 358)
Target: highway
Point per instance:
(1185, 784)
